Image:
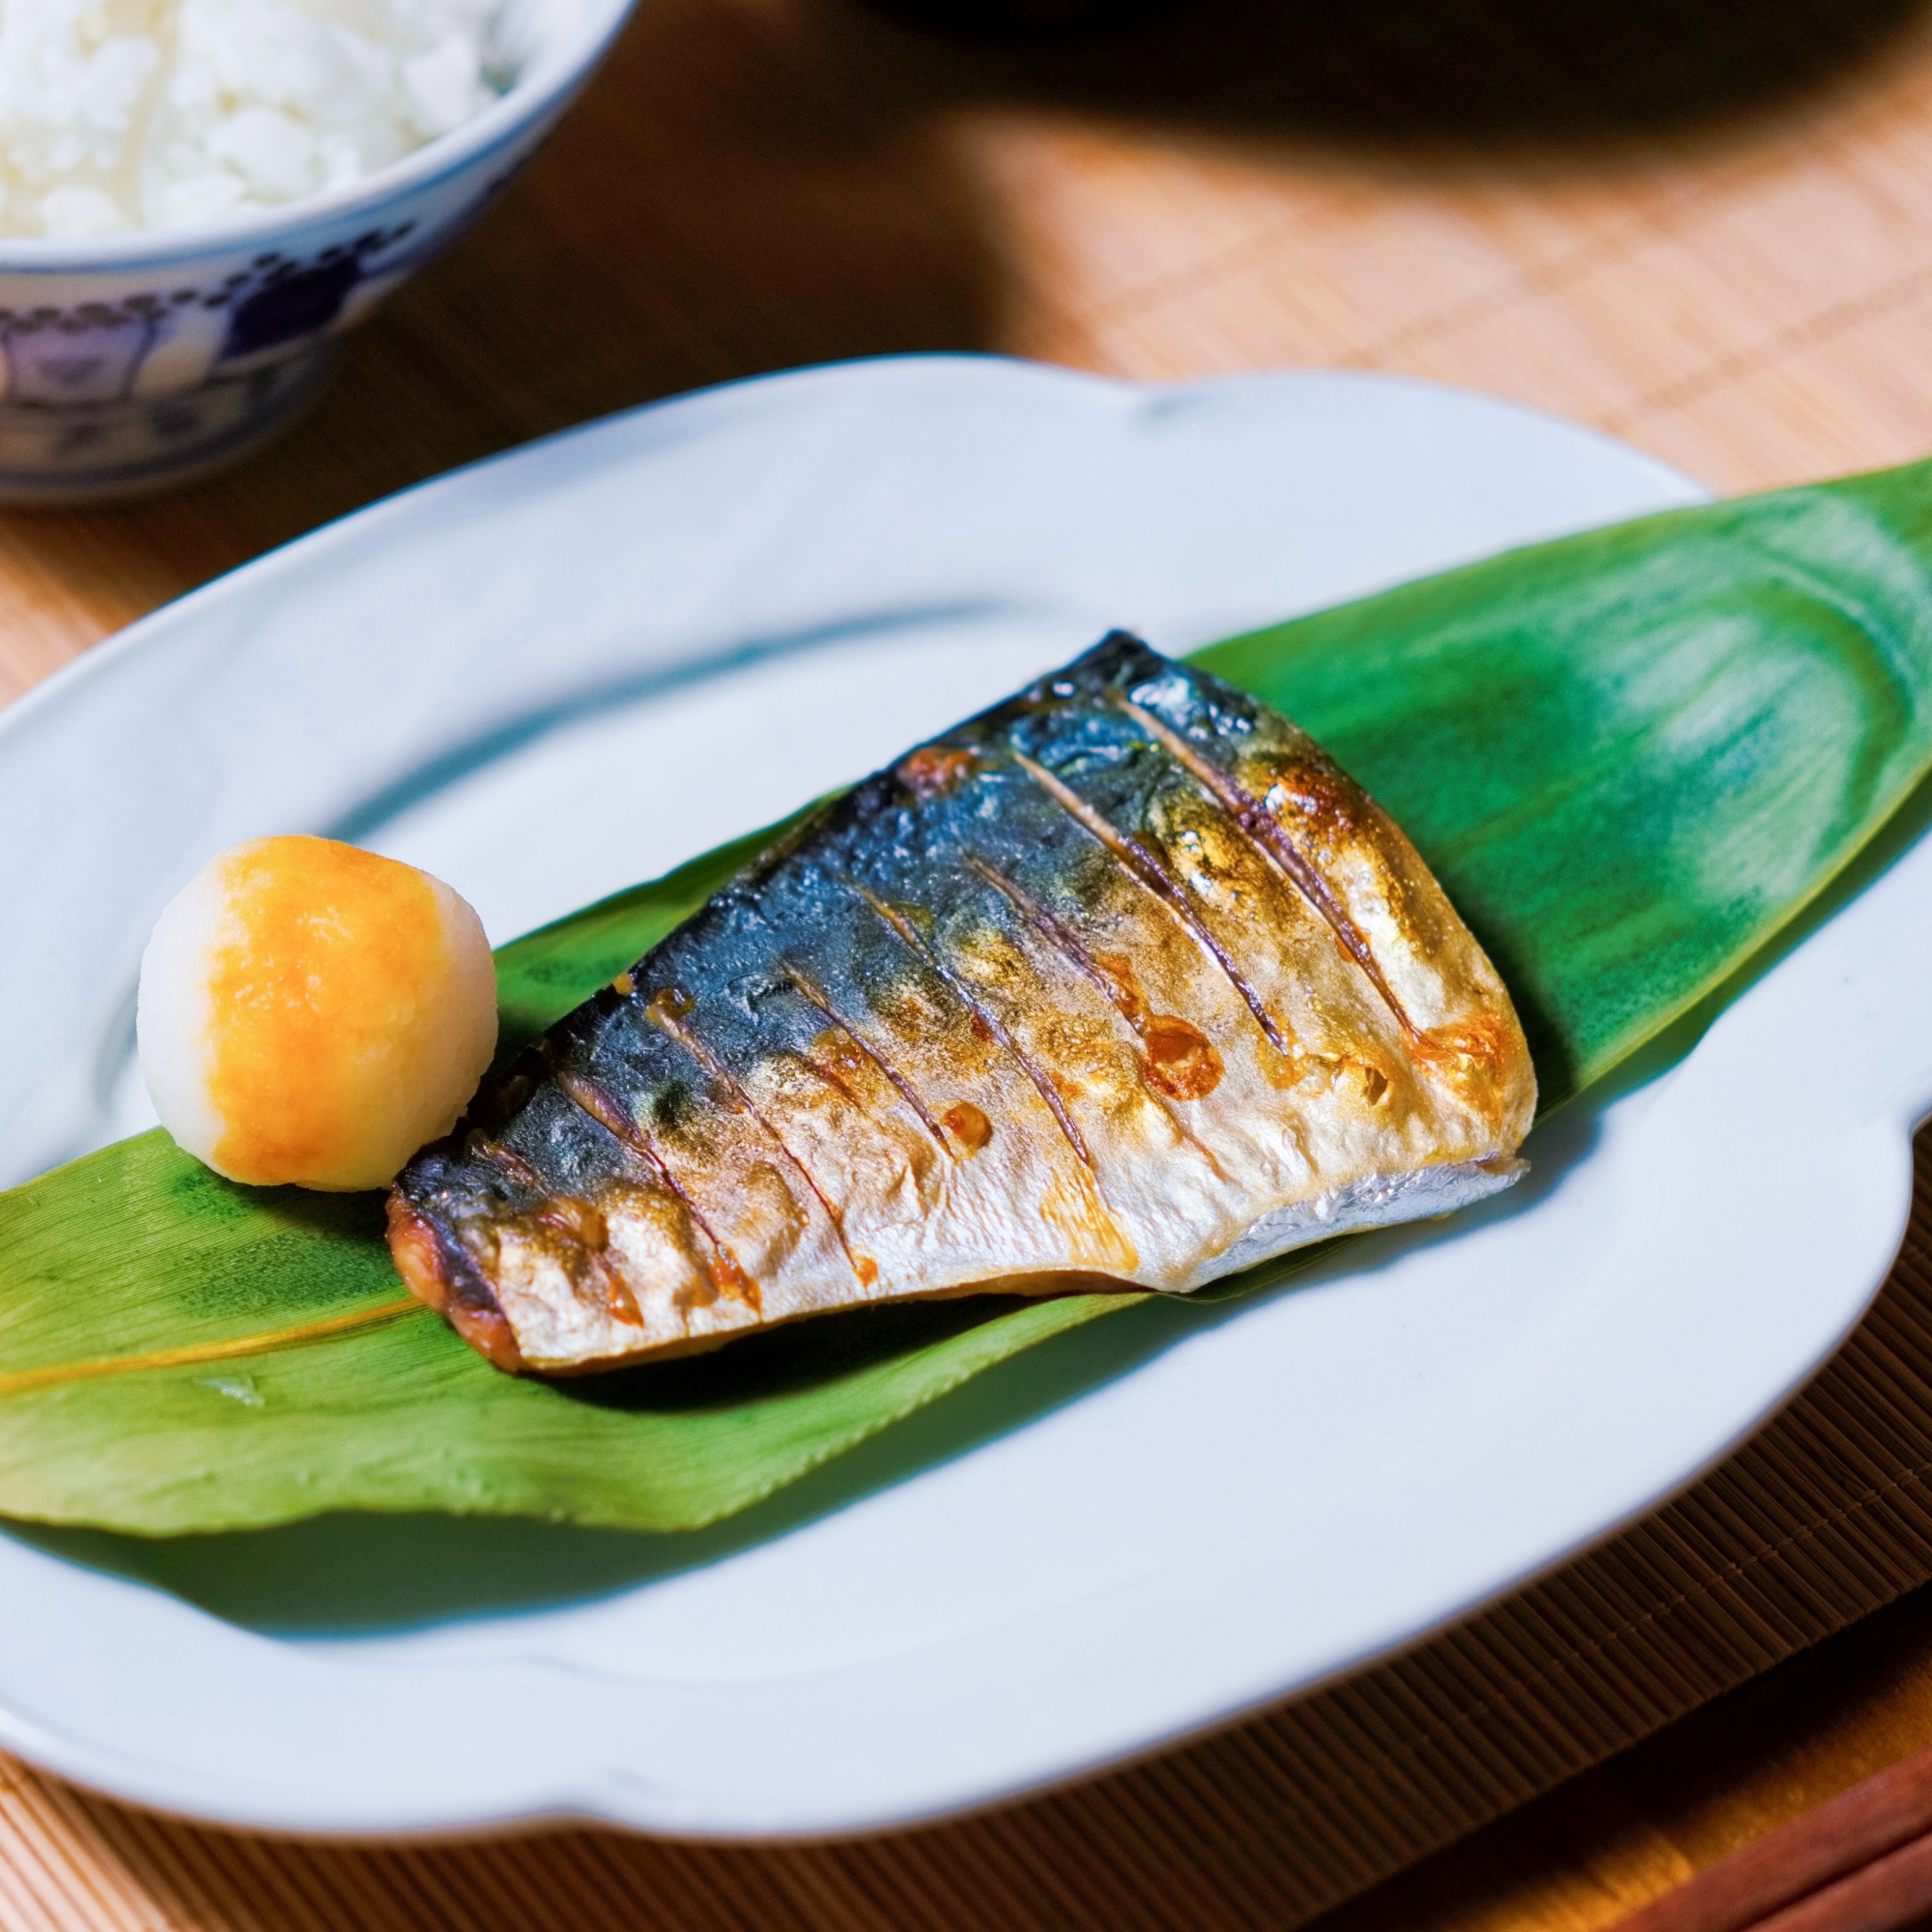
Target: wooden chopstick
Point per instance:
(1841, 1867)
(1892, 1892)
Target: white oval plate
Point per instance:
(570, 667)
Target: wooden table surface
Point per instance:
(1707, 230)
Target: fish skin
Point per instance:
(1122, 982)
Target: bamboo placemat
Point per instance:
(1708, 230)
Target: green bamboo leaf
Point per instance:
(1633, 757)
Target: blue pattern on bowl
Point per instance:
(140, 360)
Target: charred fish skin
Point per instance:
(1122, 981)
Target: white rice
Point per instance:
(123, 114)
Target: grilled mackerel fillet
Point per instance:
(1120, 982)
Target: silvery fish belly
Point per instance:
(1120, 983)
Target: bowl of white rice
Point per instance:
(197, 198)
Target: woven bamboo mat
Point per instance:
(1708, 230)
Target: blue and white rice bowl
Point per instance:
(132, 360)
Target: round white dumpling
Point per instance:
(311, 1012)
